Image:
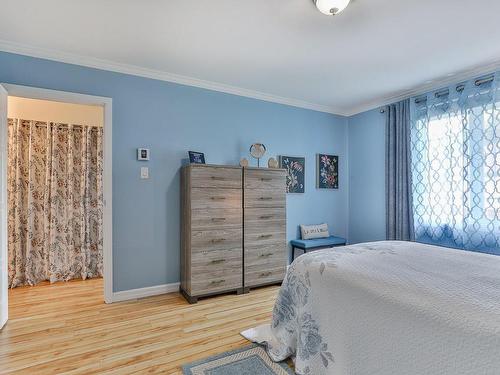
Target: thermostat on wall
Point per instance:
(143, 154)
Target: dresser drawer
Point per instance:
(216, 177)
(265, 179)
(217, 239)
(223, 278)
(260, 275)
(263, 218)
(216, 270)
(216, 259)
(268, 237)
(216, 218)
(258, 217)
(203, 198)
(264, 198)
(267, 249)
(266, 255)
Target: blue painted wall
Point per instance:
(171, 119)
(366, 177)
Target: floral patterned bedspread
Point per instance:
(387, 308)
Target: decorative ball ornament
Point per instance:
(272, 163)
(257, 150)
(244, 163)
(331, 7)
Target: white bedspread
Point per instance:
(387, 308)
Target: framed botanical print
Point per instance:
(327, 171)
(295, 173)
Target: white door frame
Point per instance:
(4, 289)
(106, 103)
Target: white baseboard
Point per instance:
(126, 295)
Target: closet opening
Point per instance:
(55, 203)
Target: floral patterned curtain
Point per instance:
(55, 202)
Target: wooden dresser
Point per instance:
(211, 230)
(233, 229)
(264, 228)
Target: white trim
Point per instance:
(126, 295)
(107, 103)
(135, 70)
(435, 84)
(91, 62)
(4, 291)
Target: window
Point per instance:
(456, 168)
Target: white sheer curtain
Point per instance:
(55, 201)
(456, 166)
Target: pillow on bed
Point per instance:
(309, 232)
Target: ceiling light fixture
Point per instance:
(331, 7)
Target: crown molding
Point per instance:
(90, 62)
(134, 70)
(432, 85)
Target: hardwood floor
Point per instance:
(67, 328)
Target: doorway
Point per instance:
(57, 214)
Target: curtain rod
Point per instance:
(40, 124)
(64, 126)
(459, 88)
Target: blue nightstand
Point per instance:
(316, 244)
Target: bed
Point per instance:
(385, 308)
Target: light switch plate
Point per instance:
(144, 173)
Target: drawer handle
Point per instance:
(218, 282)
(217, 178)
(266, 217)
(266, 179)
(265, 274)
(265, 236)
(266, 198)
(218, 198)
(218, 219)
(218, 240)
(266, 255)
(217, 261)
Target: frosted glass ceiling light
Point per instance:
(331, 7)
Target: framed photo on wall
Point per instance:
(196, 157)
(143, 154)
(327, 171)
(295, 173)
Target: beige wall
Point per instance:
(45, 110)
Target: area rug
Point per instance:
(250, 360)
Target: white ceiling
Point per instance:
(279, 50)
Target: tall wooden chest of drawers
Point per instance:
(232, 229)
(264, 226)
(212, 230)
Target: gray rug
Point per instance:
(250, 360)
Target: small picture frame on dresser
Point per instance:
(196, 157)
